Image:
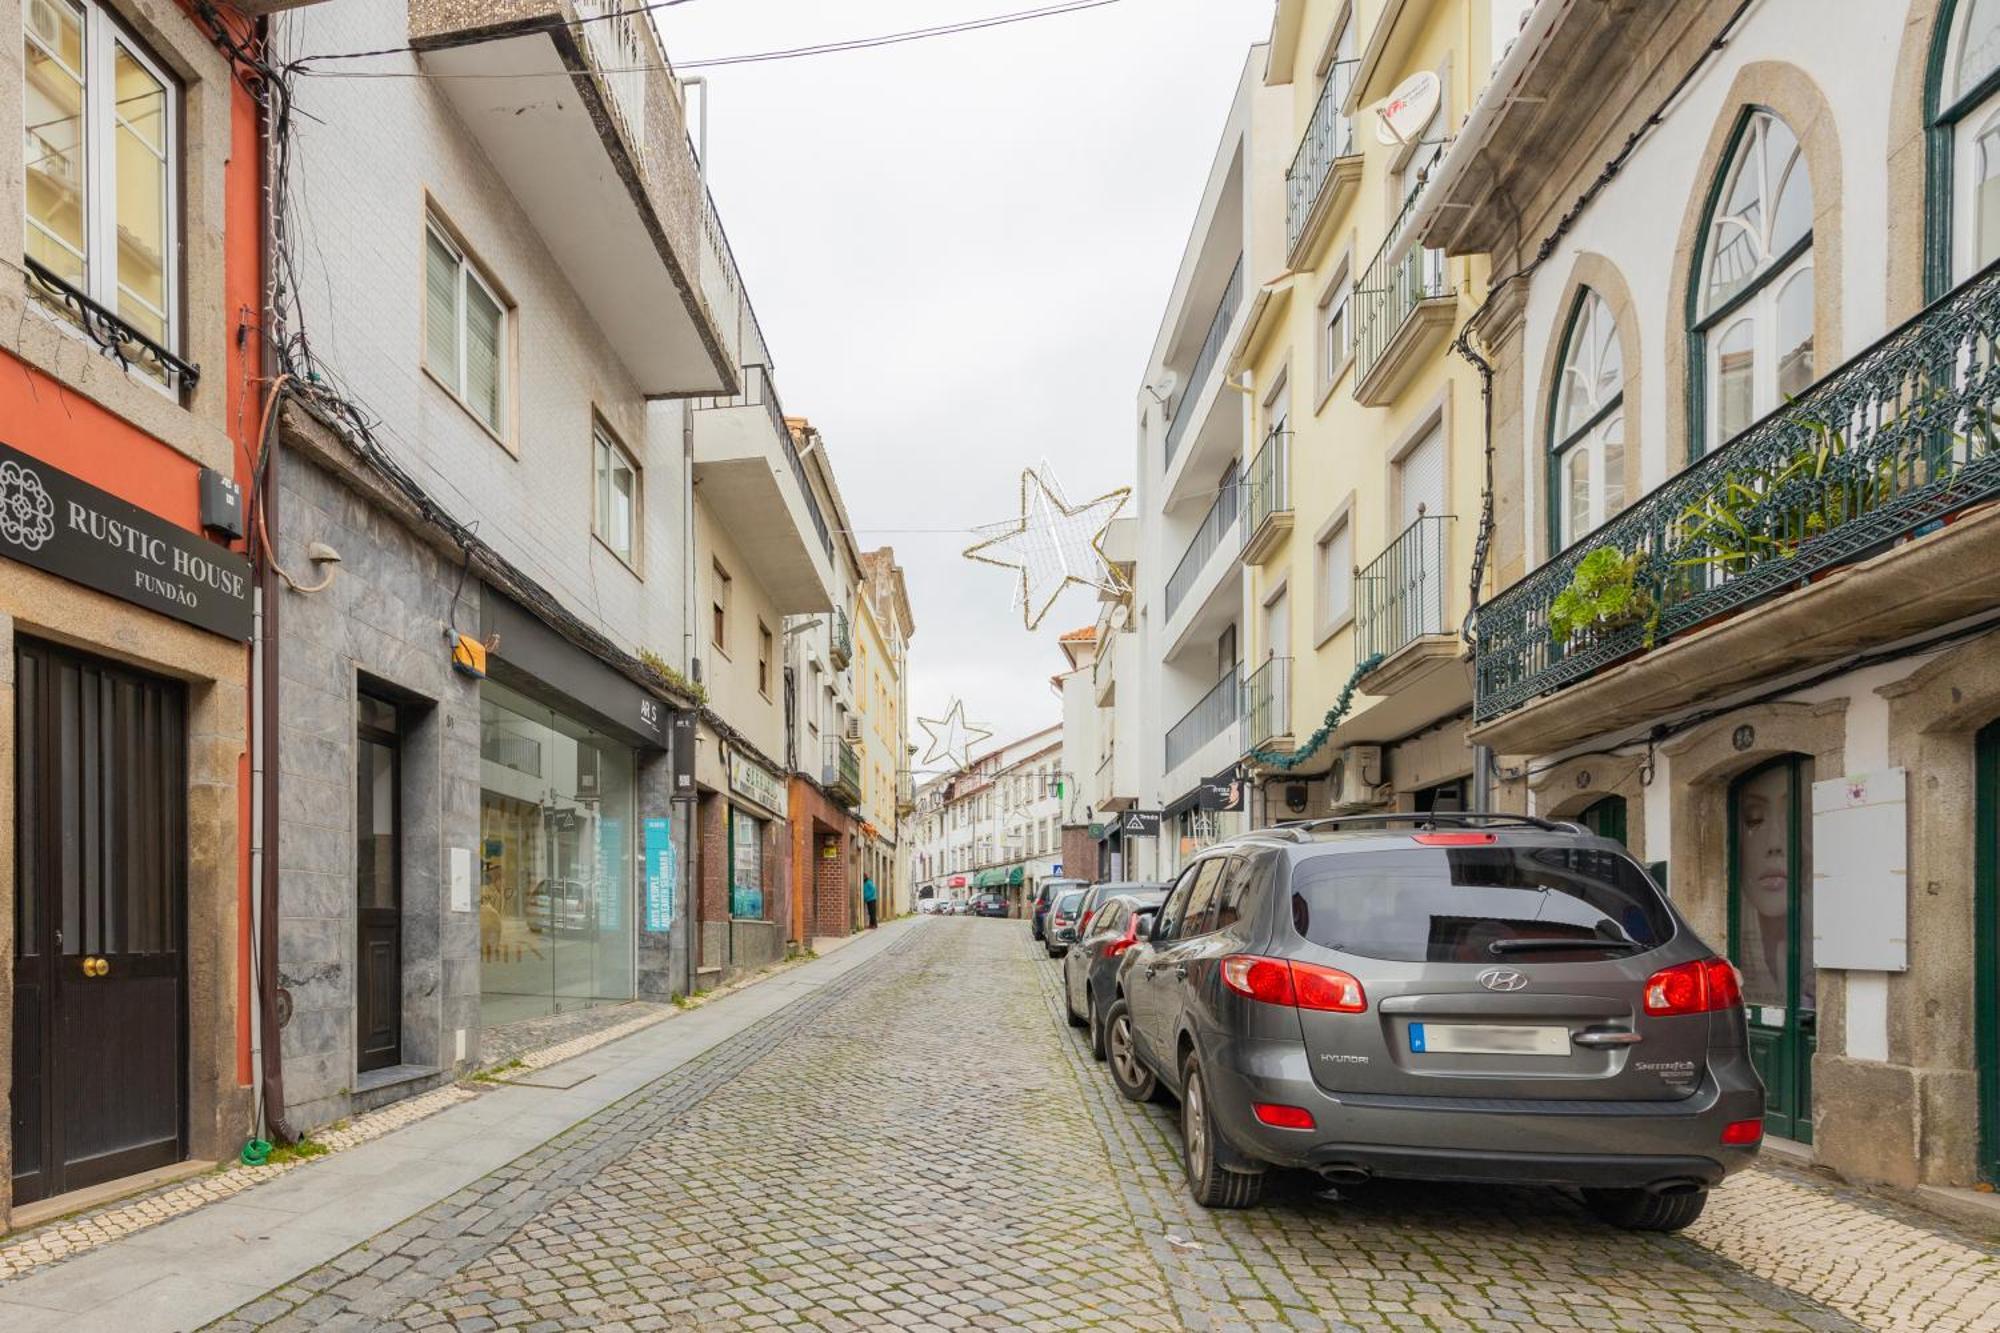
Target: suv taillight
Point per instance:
(1700, 987)
(1302, 985)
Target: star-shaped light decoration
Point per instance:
(1053, 544)
(952, 737)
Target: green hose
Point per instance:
(256, 1152)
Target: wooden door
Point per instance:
(378, 887)
(99, 950)
(1770, 933)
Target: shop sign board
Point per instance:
(749, 778)
(662, 870)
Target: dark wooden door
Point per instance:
(1770, 933)
(378, 884)
(100, 782)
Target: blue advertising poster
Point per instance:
(661, 870)
(612, 868)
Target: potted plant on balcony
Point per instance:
(1604, 595)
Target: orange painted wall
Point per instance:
(42, 418)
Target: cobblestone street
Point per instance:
(924, 1144)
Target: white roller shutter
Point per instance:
(1420, 479)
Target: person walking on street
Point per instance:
(868, 898)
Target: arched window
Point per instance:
(1965, 119)
(1753, 291)
(1587, 424)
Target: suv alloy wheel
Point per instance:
(1134, 1081)
(1212, 1184)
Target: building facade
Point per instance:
(994, 826)
(883, 627)
(127, 412)
(1742, 514)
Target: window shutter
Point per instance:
(441, 309)
(1420, 480)
(482, 354)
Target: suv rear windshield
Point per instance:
(1476, 904)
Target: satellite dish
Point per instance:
(1164, 390)
(1401, 117)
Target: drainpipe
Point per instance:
(264, 732)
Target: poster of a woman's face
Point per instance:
(1764, 808)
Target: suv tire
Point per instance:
(1129, 1074)
(1639, 1210)
(1212, 1184)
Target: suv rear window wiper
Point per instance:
(1557, 942)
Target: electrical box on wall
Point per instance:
(1861, 872)
(221, 505)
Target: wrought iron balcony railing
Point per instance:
(842, 770)
(1328, 137)
(1269, 485)
(840, 640)
(116, 338)
(1887, 446)
(1267, 702)
(1215, 525)
(1400, 597)
(1390, 291)
(1211, 347)
(1217, 711)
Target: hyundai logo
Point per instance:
(1502, 978)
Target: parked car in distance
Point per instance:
(1045, 894)
(1097, 894)
(989, 904)
(1090, 969)
(1059, 931)
(1443, 997)
(562, 907)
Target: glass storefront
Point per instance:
(558, 881)
(746, 865)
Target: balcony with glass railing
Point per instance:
(1326, 169)
(1213, 716)
(1191, 393)
(1400, 605)
(1217, 526)
(1861, 512)
(605, 176)
(1267, 498)
(1267, 705)
(1404, 307)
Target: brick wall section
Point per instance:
(712, 829)
(826, 893)
(1079, 851)
(831, 915)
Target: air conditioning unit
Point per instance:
(1354, 780)
(853, 732)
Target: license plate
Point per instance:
(1487, 1039)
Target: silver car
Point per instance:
(1449, 997)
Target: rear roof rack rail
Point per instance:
(1301, 829)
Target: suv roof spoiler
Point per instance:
(1301, 829)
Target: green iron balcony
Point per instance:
(840, 640)
(841, 774)
(1852, 508)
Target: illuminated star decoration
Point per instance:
(1053, 544)
(952, 737)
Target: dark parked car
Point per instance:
(1059, 931)
(1463, 998)
(989, 904)
(1090, 969)
(1044, 895)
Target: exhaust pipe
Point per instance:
(1670, 1188)
(1343, 1173)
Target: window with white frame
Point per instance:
(1754, 289)
(1587, 428)
(465, 329)
(617, 504)
(1333, 574)
(1969, 106)
(1336, 331)
(101, 167)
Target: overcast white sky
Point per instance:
(960, 250)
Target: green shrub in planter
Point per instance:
(1603, 595)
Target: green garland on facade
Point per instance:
(1285, 763)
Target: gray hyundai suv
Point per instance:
(1442, 997)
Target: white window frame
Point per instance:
(472, 272)
(602, 441)
(103, 34)
(1592, 326)
(1327, 625)
(1333, 362)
